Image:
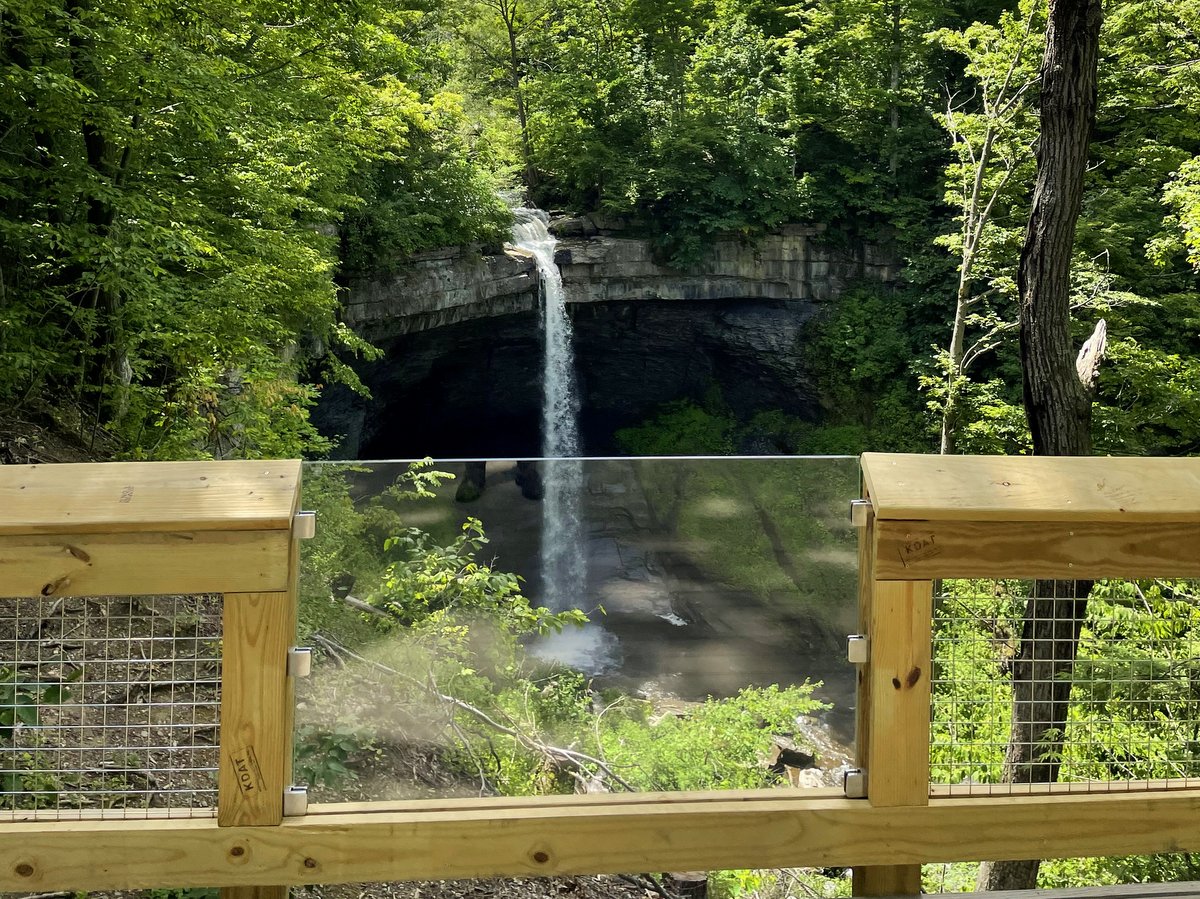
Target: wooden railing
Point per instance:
(229, 527)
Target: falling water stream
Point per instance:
(564, 547)
(564, 567)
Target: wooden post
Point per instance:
(257, 712)
(892, 740)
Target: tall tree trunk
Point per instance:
(508, 11)
(111, 374)
(1058, 394)
(894, 87)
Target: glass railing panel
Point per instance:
(452, 655)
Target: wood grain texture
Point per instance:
(401, 841)
(121, 497)
(898, 680)
(1033, 488)
(886, 880)
(1035, 549)
(897, 737)
(882, 880)
(175, 562)
(255, 892)
(256, 708)
(866, 586)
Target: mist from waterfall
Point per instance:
(563, 560)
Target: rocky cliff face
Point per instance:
(788, 265)
(445, 287)
(463, 347)
(442, 287)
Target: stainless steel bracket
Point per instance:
(859, 509)
(299, 661)
(854, 783)
(304, 525)
(295, 801)
(858, 649)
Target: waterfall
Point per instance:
(563, 561)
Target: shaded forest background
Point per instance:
(185, 189)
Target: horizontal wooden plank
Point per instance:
(923, 550)
(403, 842)
(692, 798)
(1032, 488)
(107, 497)
(145, 564)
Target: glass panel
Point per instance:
(717, 592)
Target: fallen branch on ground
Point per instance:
(580, 760)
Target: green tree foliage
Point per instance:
(666, 113)
(859, 80)
(170, 184)
(430, 193)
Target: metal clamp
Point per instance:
(858, 649)
(854, 783)
(295, 801)
(859, 509)
(299, 661)
(304, 525)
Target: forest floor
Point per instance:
(31, 438)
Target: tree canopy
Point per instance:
(185, 192)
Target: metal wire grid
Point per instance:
(109, 706)
(1131, 699)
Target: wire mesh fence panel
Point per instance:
(1089, 686)
(109, 706)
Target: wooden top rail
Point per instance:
(129, 497)
(146, 527)
(1032, 488)
(1033, 516)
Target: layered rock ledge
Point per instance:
(458, 284)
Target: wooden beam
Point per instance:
(401, 841)
(122, 497)
(898, 684)
(1033, 488)
(870, 880)
(179, 562)
(908, 550)
(866, 587)
(258, 706)
(255, 759)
